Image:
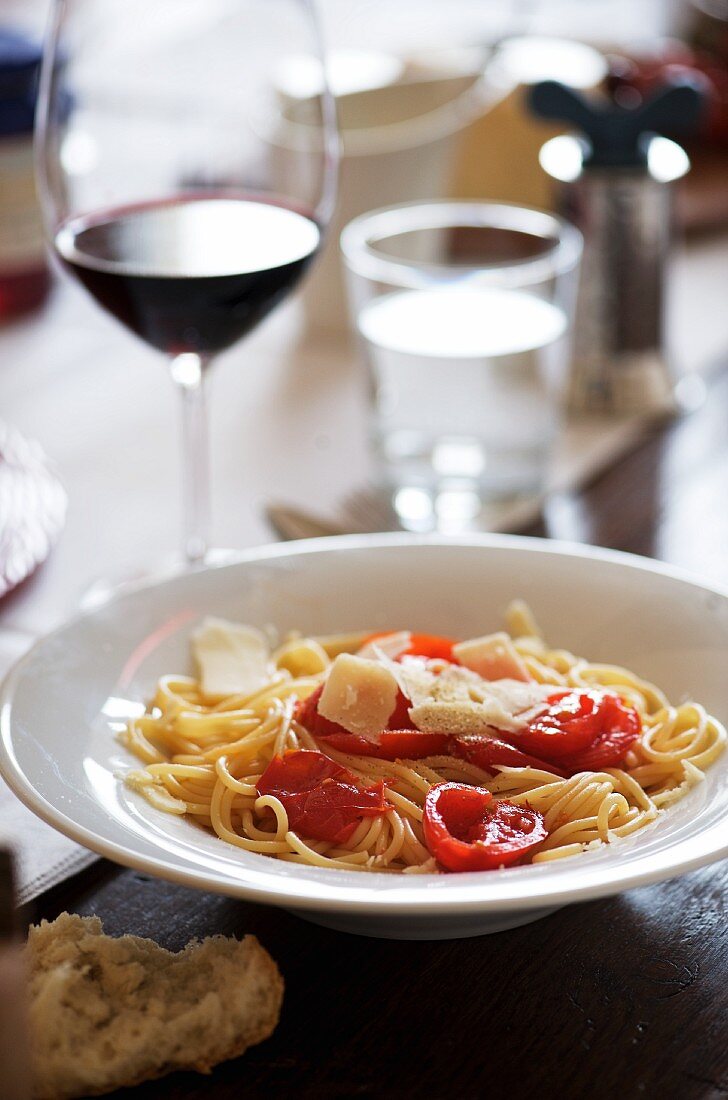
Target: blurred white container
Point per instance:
(399, 143)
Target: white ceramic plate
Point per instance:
(60, 704)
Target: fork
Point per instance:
(363, 511)
(370, 510)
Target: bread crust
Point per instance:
(256, 1006)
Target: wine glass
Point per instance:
(159, 183)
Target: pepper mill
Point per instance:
(615, 186)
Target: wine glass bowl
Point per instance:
(159, 192)
(171, 270)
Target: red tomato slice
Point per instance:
(307, 714)
(298, 771)
(485, 752)
(321, 798)
(405, 744)
(465, 830)
(432, 646)
(621, 726)
(399, 719)
(571, 723)
(422, 645)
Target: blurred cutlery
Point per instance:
(367, 511)
(362, 512)
(292, 523)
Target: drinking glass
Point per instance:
(463, 311)
(157, 186)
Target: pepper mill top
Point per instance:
(616, 136)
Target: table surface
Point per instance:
(619, 997)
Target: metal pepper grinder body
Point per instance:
(619, 363)
(615, 186)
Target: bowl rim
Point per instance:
(337, 895)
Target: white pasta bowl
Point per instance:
(62, 703)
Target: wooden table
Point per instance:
(625, 997)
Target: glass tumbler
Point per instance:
(463, 311)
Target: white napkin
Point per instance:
(43, 857)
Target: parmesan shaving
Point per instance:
(390, 645)
(494, 657)
(459, 701)
(359, 694)
(232, 659)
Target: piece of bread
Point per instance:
(107, 1013)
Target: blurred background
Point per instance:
(433, 102)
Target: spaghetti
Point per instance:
(204, 758)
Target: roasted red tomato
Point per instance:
(307, 714)
(621, 725)
(406, 744)
(321, 798)
(298, 771)
(433, 646)
(571, 722)
(465, 830)
(422, 645)
(485, 752)
(399, 719)
(580, 730)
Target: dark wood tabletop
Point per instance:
(621, 997)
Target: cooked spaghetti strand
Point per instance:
(203, 758)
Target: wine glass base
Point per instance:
(104, 589)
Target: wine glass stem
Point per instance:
(188, 372)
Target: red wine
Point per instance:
(194, 273)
